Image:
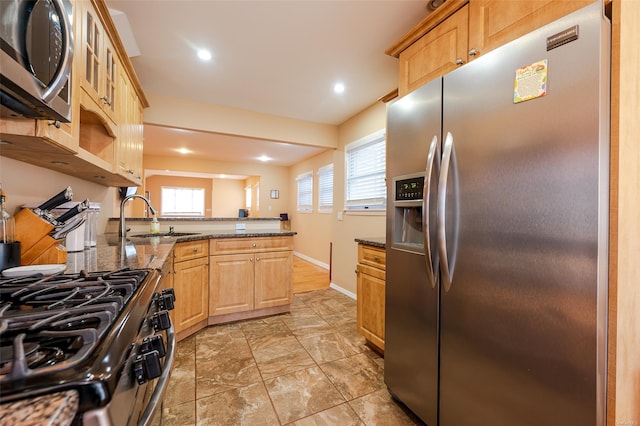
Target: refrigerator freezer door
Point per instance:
(523, 321)
(411, 327)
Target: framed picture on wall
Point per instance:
(275, 193)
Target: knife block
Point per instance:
(37, 246)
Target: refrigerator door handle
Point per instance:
(447, 151)
(426, 197)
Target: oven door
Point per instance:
(36, 40)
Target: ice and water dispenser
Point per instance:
(408, 231)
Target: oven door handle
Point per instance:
(163, 381)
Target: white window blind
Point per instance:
(325, 188)
(182, 201)
(365, 173)
(305, 192)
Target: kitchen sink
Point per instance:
(164, 234)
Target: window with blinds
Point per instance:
(182, 201)
(365, 173)
(325, 189)
(305, 192)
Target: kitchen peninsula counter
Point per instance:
(113, 253)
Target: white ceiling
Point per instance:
(274, 57)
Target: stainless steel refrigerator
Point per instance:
(497, 234)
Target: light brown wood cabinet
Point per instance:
(371, 293)
(461, 30)
(191, 286)
(100, 64)
(493, 23)
(436, 53)
(249, 275)
(93, 145)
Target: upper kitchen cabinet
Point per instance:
(98, 72)
(493, 23)
(460, 30)
(130, 129)
(103, 141)
(436, 53)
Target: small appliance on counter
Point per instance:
(80, 224)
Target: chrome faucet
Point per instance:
(123, 227)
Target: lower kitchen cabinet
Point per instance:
(191, 286)
(273, 279)
(231, 284)
(371, 294)
(249, 277)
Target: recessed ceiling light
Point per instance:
(204, 54)
(338, 88)
(264, 158)
(184, 151)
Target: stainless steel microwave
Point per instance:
(36, 40)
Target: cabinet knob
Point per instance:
(195, 250)
(251, 259)
(257, 259)
(54, 123)
(356, 271)
(459, 61)
(106, 100)
(376, 258)
(253, 245)
(473, 51)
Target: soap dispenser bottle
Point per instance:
(155, 226)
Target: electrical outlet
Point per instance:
(241, 226)
(340, 215)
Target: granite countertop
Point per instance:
(374, 241)
(113, 253)
(55, 409)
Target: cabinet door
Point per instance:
(436, 53)
(191, 285)
(493, 23)
(231, 283)
(91, 48)
(273, 279)
(99, 77)
(371, 304)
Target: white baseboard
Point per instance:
(346, 292)
(323, 265)
(311, 260)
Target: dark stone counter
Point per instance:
(374, 242)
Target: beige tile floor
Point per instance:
(308, 367)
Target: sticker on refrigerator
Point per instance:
(530, 82)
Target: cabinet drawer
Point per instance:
(190, 250)
(372, 256)
(249, 245)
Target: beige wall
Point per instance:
(187, 114)
(154, 184)
(228, 197)
(271, 177)
(27, 184)
(316, 231)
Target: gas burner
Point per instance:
(56, 321)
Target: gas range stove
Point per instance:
(106, 336)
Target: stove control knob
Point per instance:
(153, 343)
(169, 291)
(161, 321)
(147, 367)
(165, 301)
